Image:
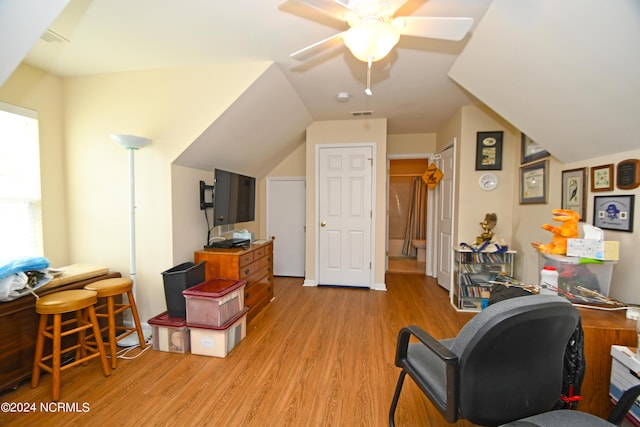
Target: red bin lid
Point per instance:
(163, 319)
(214, 288)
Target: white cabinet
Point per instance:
(473, 273)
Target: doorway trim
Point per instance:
(316, 213)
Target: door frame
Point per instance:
(390, 157)
(316, 213)
(433, 261)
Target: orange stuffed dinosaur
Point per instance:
(568, 230)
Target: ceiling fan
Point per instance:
(374, 30)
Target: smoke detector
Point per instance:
(343, 96)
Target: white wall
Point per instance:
(625, 285)
(520, 225)
(170, 106)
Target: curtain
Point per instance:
(417, 220)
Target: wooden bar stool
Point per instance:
(82, 303)
(109, 289)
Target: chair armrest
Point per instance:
(448, 408)
(623, 406)
(431, 343)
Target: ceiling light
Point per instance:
(371, 39)
(343, 96)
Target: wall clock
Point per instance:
(488, 181)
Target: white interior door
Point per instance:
(286, 224)
(444, 212)
(345, 216)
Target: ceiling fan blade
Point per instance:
(394, 5)
(333, 8)
(435, 28)
(318, 46)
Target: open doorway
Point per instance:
(407, 216)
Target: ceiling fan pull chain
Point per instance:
(368, 89)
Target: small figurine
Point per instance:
(489, 223)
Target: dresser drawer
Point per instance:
(258, 253)
(258, 294)
(260, 266)
(246, 258)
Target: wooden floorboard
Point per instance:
(316, 356)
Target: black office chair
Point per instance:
(567, 418)
(505, 364)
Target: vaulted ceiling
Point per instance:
(566, 73)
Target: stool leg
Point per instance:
(96, 330)
(55, 365)
(81, 351)
(136, 318)
(35, 374)
(111, 319)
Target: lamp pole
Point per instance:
(131, 143)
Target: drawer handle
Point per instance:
(247, 271)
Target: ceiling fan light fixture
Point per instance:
(371, 39)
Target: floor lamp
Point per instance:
(131, 143)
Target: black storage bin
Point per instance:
(176, 280)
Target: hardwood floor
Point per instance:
(405, 265)
(316, 356)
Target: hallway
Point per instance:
(405, 265)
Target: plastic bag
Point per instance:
(18, 284)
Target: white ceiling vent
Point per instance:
(362, 113)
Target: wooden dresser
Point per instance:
(255, 265)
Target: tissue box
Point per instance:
(243, 235)
(604, 250)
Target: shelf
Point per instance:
(473, 274)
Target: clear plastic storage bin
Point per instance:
(170, 333)
(214, 302)
(219, 341)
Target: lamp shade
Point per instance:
(371, 39)
(130, 142)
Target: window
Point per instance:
(20, 205)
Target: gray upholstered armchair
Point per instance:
(505, 364)
(567, 418)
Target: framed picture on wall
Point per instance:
(574, 186)
(602, 178)
(614, 212)
(489, 151)
(531, 151)
(533, 183)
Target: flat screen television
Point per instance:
(234, 198)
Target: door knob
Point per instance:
(273, 237)
(322, 224)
